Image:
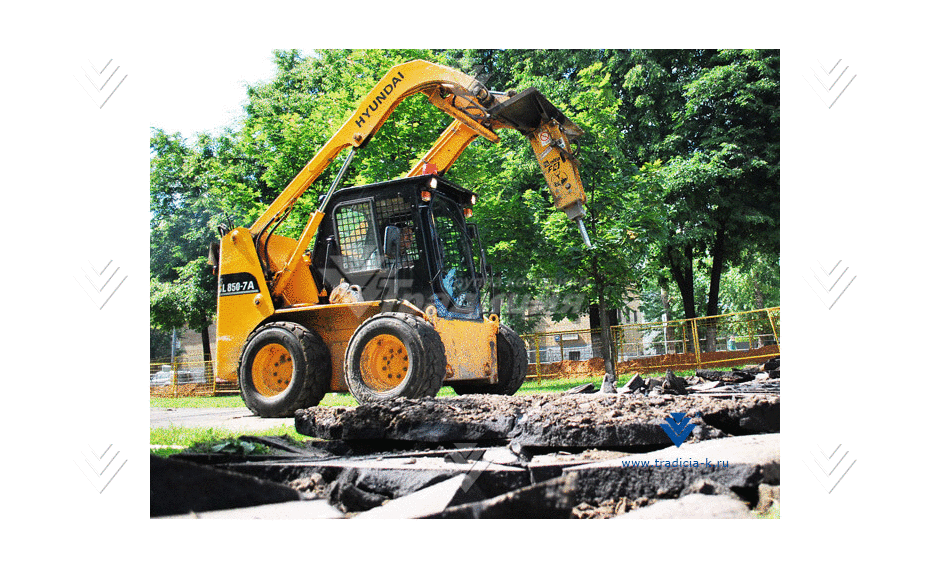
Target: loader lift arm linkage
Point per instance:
(477, 112)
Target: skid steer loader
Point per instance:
(381, 293)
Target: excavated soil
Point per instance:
(553, 420)
(569, 369)
(181, 390)
(193, 389)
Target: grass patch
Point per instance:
(205, 439)
(331, 399)
(197, 402)
(346, 399)
(772, 513)
(563, 384)
(556, 385)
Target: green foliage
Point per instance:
(184, 215)
(538, 250)
(679, 162)
(712, 119)
(743, 288)
(752, 285)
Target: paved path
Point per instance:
(239, 420)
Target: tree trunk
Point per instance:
(606, 340)
(599, 285)
(667, 309)
(713, 294)
(683, 273)
(207, 352)
(606, 343)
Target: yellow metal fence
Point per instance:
(186, 377)
(716, 341)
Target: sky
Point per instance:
(190, 98)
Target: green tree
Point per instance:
(528, 236)
(184, 213)
(712, 119)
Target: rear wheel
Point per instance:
(511, 366)
(284, 366)
(393, 355)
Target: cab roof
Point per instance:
(414, 183)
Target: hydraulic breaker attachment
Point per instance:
(550, 134)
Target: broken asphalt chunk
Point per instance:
(555, 420)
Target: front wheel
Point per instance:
(394, 355)
(284, 366)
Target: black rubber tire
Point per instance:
(312, 369)
(425, 351)
(511, 366)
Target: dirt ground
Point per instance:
(192, 389)
(570, 369)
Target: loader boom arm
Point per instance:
(550, 134)
(550, 143)
(454, 92)
(477, 112)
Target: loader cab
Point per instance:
(403, 239)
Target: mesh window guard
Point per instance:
(358, 238)
(399, 212)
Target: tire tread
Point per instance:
(433, 349)
(314, 388)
